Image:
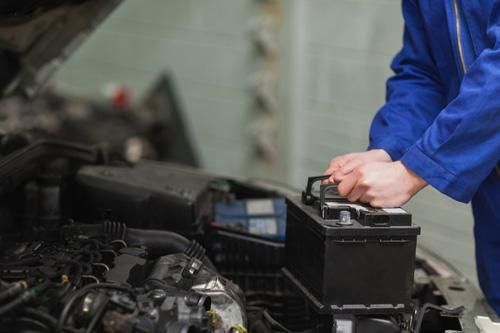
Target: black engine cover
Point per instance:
(150, 195)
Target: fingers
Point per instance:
(347, 184)
(335, 164)
(367, 198)
(380, 184)
(338, 162)
(357, 192)
(329, 181)
(347, 168)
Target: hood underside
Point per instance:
(35, 38)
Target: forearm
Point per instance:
(462, 146)
(414, 93)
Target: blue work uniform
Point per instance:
(442, 115)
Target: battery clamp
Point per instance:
(335, 207)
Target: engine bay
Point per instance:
(90, 244)
(100, 238)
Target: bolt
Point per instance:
(345, 217)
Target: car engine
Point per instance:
(58, 274)
(101, 278)
(92, 244)
(95, 238)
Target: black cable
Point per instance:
(12, 290)
(71, 301)
(274, 322)
(97, 316)
(30, 321)
(65, 289)
(25, 297)
(46, 318)
(430, 306)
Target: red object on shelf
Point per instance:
(120, 97)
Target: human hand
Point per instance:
(381, 184)
(342, 165)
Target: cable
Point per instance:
(430, 306)
(274, 322)
(98, 314)
(71, 330)
(65, 289)
(13, 289)
(42, 327)
(25, 297)
(46, 318)
(71, 301)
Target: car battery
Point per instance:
(349, 257)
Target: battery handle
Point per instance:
(307, 197)
(323, 190)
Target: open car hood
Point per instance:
(35, 38)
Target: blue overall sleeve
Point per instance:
(414, 94)
(462, 146)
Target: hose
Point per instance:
(25, 297)
(12, 290)
(158, 242)
(97, 316)
(161, 242)
(46, 318)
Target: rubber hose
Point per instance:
(161, 242)
(158, 242)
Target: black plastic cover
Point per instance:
(150, 195)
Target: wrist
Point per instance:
(381, 155)
(416, 183)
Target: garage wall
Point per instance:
(339, 70)
(206, 45)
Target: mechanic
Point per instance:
(440, 124)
